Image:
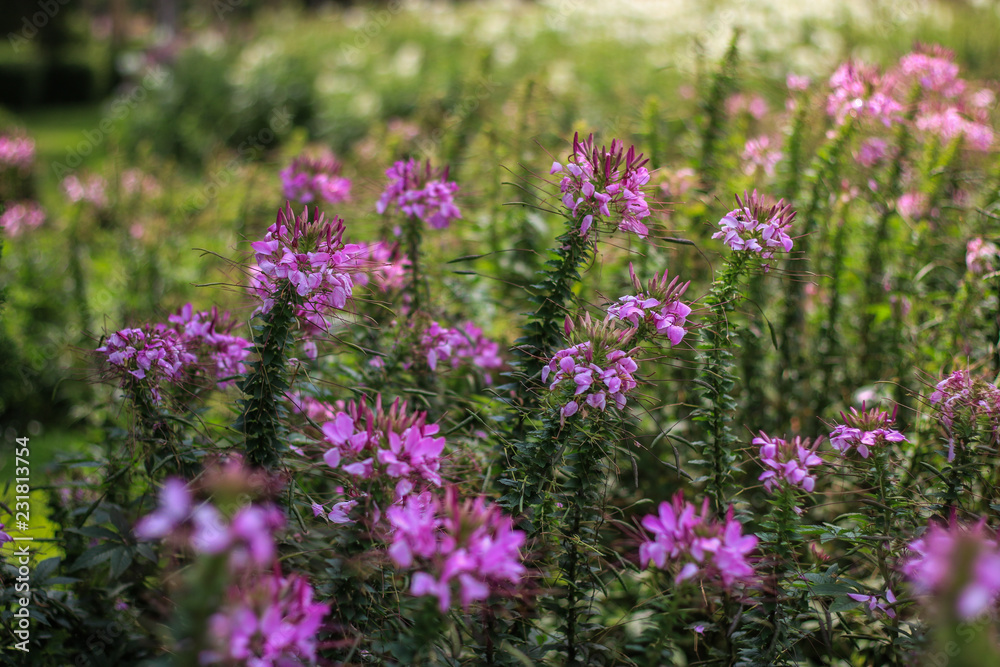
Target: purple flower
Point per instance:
(980, 256)
(465, 544)
(699, 543)
(272, 622)
(4, 537)
(148, 356)
(209, 332)
(756, 228)
(420, 193)
(574, 371)
(859, 91)
(175, 507)
(758, 154)
(876, 604)
(605, 184)
(21, 216)
(311, 179)
(308, 253)
(865, 430)
(787, 463)
(966, 404)
(91, 189)
(956, 562)
(17, 152)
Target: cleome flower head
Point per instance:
(702, 544)
(755, 228)
(592, 373)
(420, 193)
(455, 543)
(956, 564)
(308, 252)
(150, 355)
(864, 431)
(787, 463)
(967, 407)
(605, 184)
(313, 179)
(658, 308)
(270, 622)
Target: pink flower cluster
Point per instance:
(307, 252)
(21, 216)
(959, 563)
(860, 91)
(149, 354)
(420, 193)
(17, 152)
(934, 71)
(248, 537)
(864, 431)
(467, 345)
(950, 123)
(311, 179)
(980, 256)
(707, 547)
(787, 463)
(468, 544)
(758, 154)
(91, 190)
(600, 182)
(753, 227)
(402, 444)
(272, 622)
(591, 385)
(659, 308)
(963, 402)
(209, 332)
(754, 105)
(136, 182)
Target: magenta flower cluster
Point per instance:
(420, 193)
(758, 154)
(309, 253)
(209, 333)
(467, 345)
(379, 263)
(965, 404)
(591, 385)
(21, 216)
(860, 91)
(864, 431)
(787, 464)
(273, 622)
(981, 256)
(150, 354)
(312, 179)
(402, 445)
(668, 319)
(247, 537)
(959, 563)
(16, 152)
(90, 189)
(700, 543)
(601, 183)
(466, 544)
(753, 227)
(877, 604)
(157, 353)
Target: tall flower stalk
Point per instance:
(755, 232)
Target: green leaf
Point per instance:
(93, 556)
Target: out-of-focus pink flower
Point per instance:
(700, 543)
(872, 151)
(758, 154)
(912, 205)
(17, 152)
(311, 179)
(860, 91)
(463, 543)
(272, 622)
(21, 216)
(980, 256)
(795, 82)
(90, 189)
(466, 346)
(959, 563)
(420, 193)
